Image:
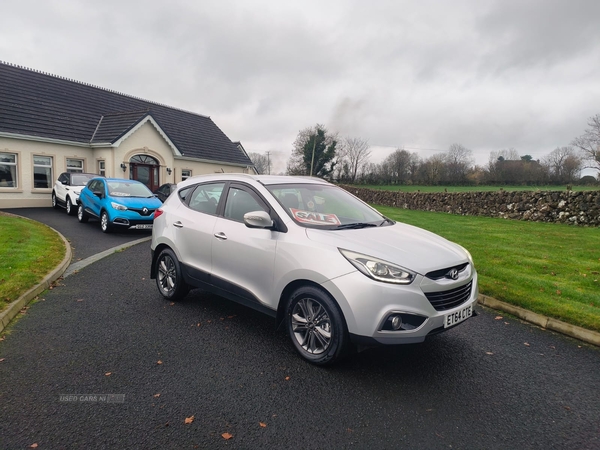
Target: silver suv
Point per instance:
(329, 267)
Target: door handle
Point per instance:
(221, 236)
(178, 224)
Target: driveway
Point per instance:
(102, 361)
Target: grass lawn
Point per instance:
(474, 188)
(551, 269)
(28, 252)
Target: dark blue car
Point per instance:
(118, 203)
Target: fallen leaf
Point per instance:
(498, 318)
(527, 344)
(198, 324)
(558, 292)
(79, 299)
(2, 359)
(568, 408)
(189, 419)
(108, 374)
(157, 395)
(263, 425)
(227, 436)
(489, 353)
(34, 445)
(159, 362)
(506, 323)
(231, 317)
(287, 378)
(172, 303)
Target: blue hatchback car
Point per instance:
(118, 203)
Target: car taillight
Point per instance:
(158, 212)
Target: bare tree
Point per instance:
(458, 160)
(564, 164)
(355, 152)
(589, 142)
(261, 162)
(433, 169)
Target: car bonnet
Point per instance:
(410, 247)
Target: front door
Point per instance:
(144, 169)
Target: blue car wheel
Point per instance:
(105, 222)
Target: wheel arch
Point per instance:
(291, 287)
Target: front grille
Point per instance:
(442, 273)
(141, 211)
(445, 300)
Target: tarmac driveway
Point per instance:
(103, 361)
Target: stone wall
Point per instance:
(576, 208)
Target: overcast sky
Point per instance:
(419, 75)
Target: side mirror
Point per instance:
(258, 219)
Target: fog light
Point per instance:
(396, 322)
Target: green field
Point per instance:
(551, 269)
(404, 188)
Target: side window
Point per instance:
(63, 178)
(205, 197)
(240, 202)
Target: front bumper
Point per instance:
(366, 304)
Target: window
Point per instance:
(240, 202)
(8, 170)
(185, 174)
(102, 168)
(74, 165)
(42, 172)
(205, 197)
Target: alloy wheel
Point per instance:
(311, 326)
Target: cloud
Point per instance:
(487, 74)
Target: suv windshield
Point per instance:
(81, 180)
(325, 206)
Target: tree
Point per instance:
(458, 161)
(354, 155)
(589, 142)
(313, 153)
(262, 163)
(564, 164)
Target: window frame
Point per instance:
(72, 169)
(15, 174)
(37, 165)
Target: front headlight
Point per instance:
(379, 269)
(118, 206)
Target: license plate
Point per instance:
(142, 227)
(458, 316)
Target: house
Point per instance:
(50, 125)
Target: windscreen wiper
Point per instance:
(354, 226)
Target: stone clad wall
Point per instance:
(577, 208)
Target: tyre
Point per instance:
(82, 216)
(105, 225)
(69, 207)
(316, 326)
(169, 277)
(54, 202)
